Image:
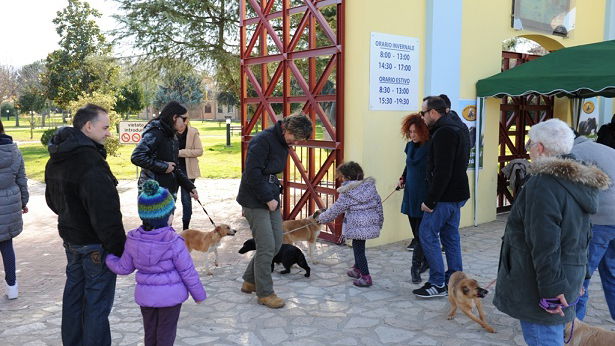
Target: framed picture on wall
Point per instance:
(553, 17)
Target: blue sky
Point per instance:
(28, 33)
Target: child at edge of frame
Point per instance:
(363, 219)
(165, 271)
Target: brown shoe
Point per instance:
(272, 301)
(248, 287)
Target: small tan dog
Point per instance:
(584, 334)
(464, 293)
(306, 229)
(207, 241)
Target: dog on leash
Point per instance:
(584, 334)
(306, 230)
(207, 241)
(464, 293)
(287, 256)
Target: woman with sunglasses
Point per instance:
(190, 148)
(158, 151)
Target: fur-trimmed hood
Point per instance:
(583, 182)
(572, 170)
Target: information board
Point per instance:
(393, 75)
(469, 115)
(130, 131)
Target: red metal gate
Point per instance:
(292, 60)
(517, 115)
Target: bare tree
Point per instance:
(8, 83)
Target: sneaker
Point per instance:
(430, 290)
(354, 273)
(363, 281)
(12, 292)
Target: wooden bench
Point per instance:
(235, 128)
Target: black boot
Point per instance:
(415, 274)
(415, 269)
(421, 261)
(424, 267)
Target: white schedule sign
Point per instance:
(393, 75)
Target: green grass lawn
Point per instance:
(218, 161)
(35, 157)
(22, 133)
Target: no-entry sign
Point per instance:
(130, 131)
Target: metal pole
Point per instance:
(228, 132)
(480, 103)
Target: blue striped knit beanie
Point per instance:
(155, 204)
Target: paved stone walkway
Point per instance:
(325, 309)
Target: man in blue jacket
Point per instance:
(602, 245)
(259, 195)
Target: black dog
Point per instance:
(588, 127)
(288, 255)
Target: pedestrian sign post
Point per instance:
(130, 131)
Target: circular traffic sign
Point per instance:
(136, 137)
(125, 137)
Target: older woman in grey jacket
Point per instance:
(13, 200)
(544, 249)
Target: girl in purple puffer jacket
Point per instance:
(165, 272)
(359, 200)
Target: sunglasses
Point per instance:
(182, 118)
(425, 112)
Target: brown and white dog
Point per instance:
(207, 241)
(464, 293)
(306, 230)
(584, 334)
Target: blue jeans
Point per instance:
(602, 256)
(88, 296)
(442, 225)
(186, 206)
(542, 334)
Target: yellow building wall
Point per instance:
(372, 138)
(486, 23)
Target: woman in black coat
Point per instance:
(413, 181)
(158, 151)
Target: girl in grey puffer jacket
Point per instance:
(13, 200)
(359, 200)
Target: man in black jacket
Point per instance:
(455, 117)
(606, 134)
(447, 192)
(259, 196)
(81, 190)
